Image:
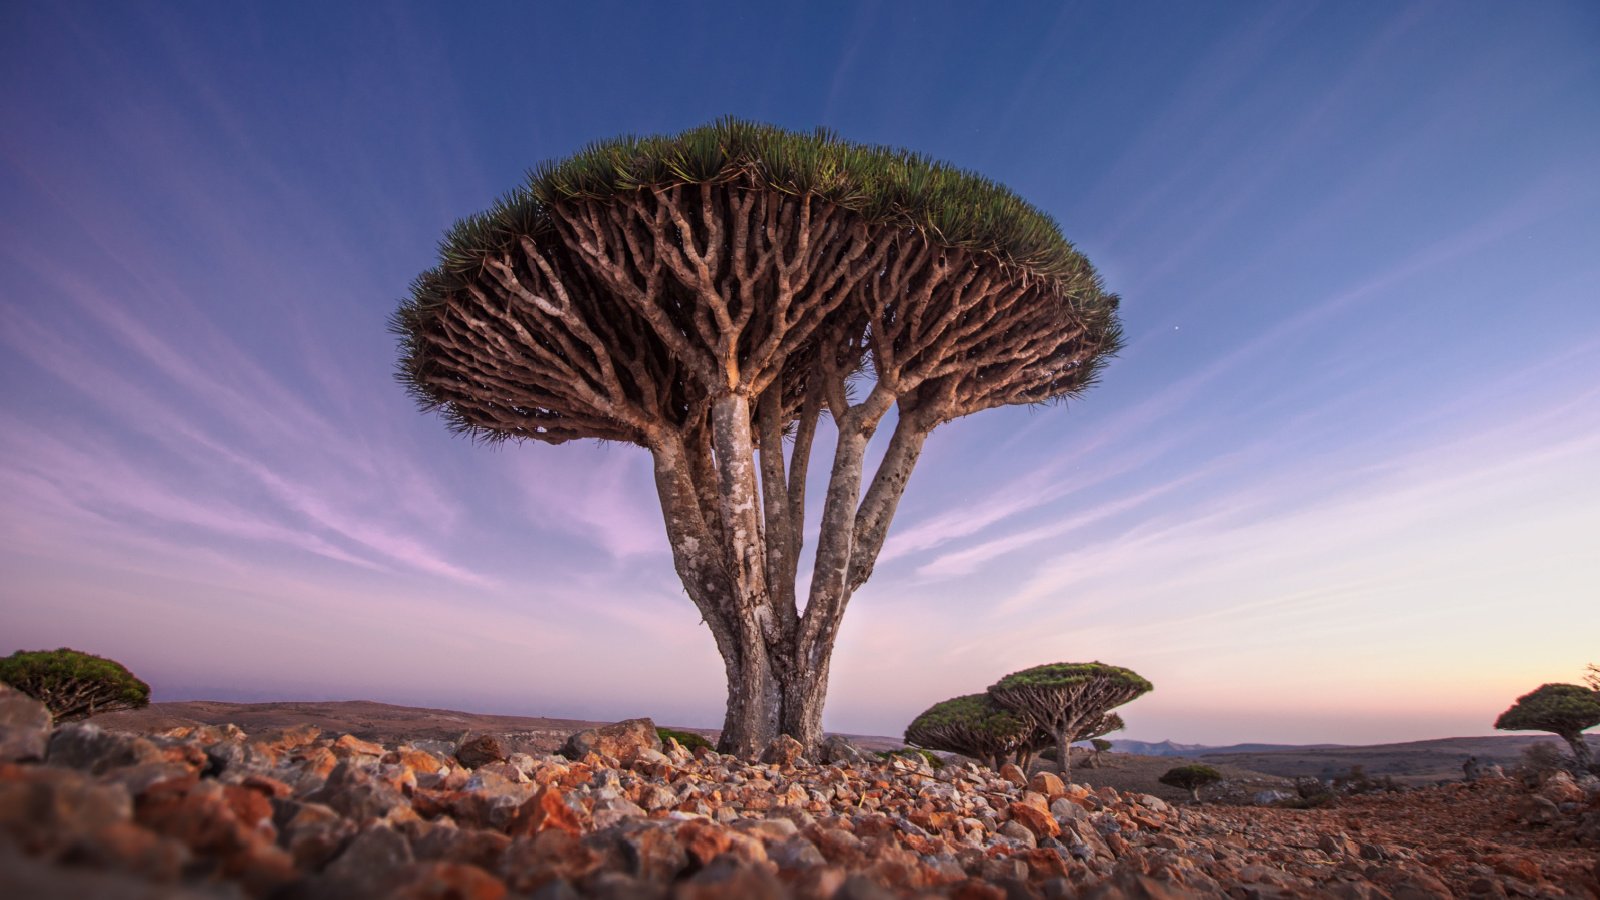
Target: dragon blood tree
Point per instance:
(1044, 743)
(709, 297)
(73, 684)
(1068, 699)
(972, 725)
(1565, 710)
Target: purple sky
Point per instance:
(1343, 484)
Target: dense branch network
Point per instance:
(711, 297)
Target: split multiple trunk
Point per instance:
(713, 324)
(1069, 701)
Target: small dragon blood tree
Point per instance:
(1565, 710)
(972, 725)
(708, 297)
(1191, 778)
(1068, 699)
(73, 684)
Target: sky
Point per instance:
(1342, 485)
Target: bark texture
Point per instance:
(715, 324)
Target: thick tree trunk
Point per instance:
(1580, 750)
(751, 720)
(1064, 755)
(803, 694)
(734, 529)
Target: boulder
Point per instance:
(1561, 788)
(620, 741)
(784, 751)
(92, 749)
(836, 749)
(24, 726)
(1538, 811)
(480, 751)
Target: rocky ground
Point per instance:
(213, 811)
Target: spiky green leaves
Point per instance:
(972, 725)
(1066, 699)
(1061, 675)
(72, 684)
(1563, 709)
(887, 186)
(1191, 778)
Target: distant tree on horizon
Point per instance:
(1191, 778)
(1067, 699)
(710, 297)
(1591, 676)
(1565, 710)
(72, 684)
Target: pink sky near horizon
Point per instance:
(1342, 486)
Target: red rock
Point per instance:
(729, 879)
(532, 862)
(839, 847)
(315, 835)
(1045, 863)
(42, 808)
(653, 853)
(783, 751)
(1517, 867)
(1038, 821)
(188, 756)
(349, 745)
(251, 807)
(704, 840)
(546, 810)
(355, 792)
(319, 761)
(619, 741)
(284, 740)
(269, 786)
(420, 762)
(125, 847)
(972, 889)
(1011, 773)
(1048, 784)
(477, 846)
(447, 881)
(1560, 788)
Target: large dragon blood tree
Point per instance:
(709, 297)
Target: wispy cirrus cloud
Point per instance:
(319, 480)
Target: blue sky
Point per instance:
(1342, 485)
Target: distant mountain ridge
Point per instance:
(1172, 748)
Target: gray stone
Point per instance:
(1019, 832)
(353, 791)
(795, 853)
(92, 749)
(375, 852)
(24, 726)
(836, 748)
